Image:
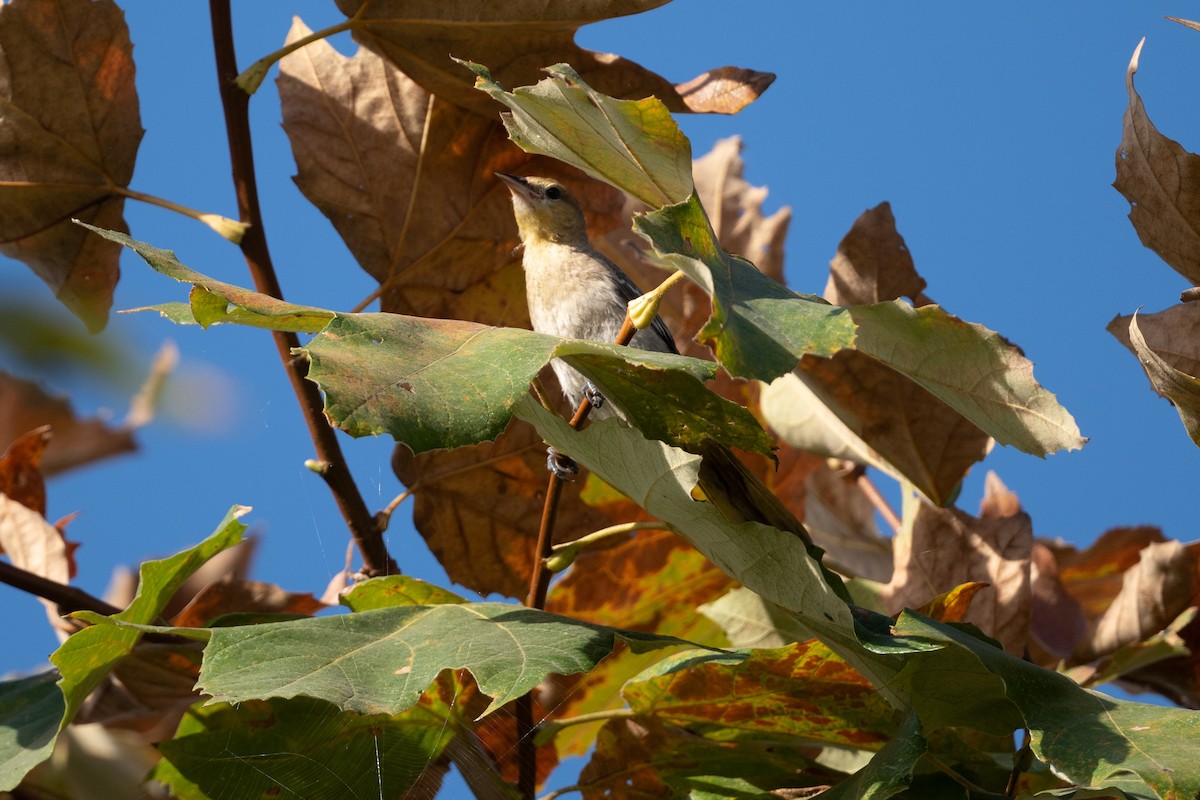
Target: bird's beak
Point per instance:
(518, 186)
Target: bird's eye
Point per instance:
(553, 193)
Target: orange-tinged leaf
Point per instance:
(1094, 576)
(952, 606)
(652, 582)
(801, 690)
(1153, 592)
(71, 112)
(20, 470)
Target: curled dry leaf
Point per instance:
(517, 39)
(1161, 181)
(73, 129)
(1173, 334)
(944, 548)
(230, 596)
(1153, 592)
(1180, 388)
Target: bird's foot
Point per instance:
(563, 467)
(593, 395)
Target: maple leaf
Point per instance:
(71, 117)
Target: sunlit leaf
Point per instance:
(380, 661)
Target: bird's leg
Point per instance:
(563, 467)
(593, 395)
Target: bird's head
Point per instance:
(546, 211)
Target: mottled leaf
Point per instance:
(765, 694)
(633, 145)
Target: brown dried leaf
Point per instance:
(517, 39)
(1161, 181)
(408, 181)
(1153, 592)
(478, 508)
(872, 263)
(230, 596)
(25, 406)
(944, 548)
(841, 520)
(1180, 388)
(233, 563)
(67, 79)
(1058, 622)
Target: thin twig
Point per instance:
(868, 488)
(539, 582)
(1021, 761)
(67, 598)
(236, 104)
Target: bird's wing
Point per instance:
(629, 291)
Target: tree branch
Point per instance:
(67, 598)
(236, 104)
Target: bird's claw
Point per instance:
(593, 395)
(563, 467)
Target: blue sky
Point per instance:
(992, 135)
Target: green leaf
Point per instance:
(380, 661)
(87, 656)
(1093, 740)
(31, 711)
(759, 328)
(890, 771)
(660, 479)
(445, 383)
(1181, 389)
(633, 145)
(971, 369)
(269, 748)
(396, 590)
(209, 304)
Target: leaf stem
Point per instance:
(236, 105)
(230, 229)
(252, 78)
(562, 555)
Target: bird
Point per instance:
(574, 291)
